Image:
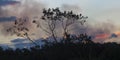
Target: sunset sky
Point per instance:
(103, 15)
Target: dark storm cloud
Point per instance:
(7, 19)
(4, 3)
(8, 2)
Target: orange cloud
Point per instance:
(102, 36)
(117, 33)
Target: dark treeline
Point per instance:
(65, 51)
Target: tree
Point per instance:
(50, 19)
(20, 28)
(53, 17)
(67, 19)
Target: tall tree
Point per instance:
(53, 17)
(50, 19)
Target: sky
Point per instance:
(103, 15)
(97, 9)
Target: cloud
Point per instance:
(25, 8)
(8, 2)
(116, 40)
(4, 4)
(7, 19)
(18, 40)
(75, 8)
(8, 13)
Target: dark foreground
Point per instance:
(65, 51)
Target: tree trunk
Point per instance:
(54, 38)
(31, 40)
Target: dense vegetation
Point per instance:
(65, 51)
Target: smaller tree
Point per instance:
(84, 38)
(20, 29)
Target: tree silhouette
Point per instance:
(50, 20)
(53, 17)
(67, 19)
(20, 29)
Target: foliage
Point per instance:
(63, 51)
(21, 29)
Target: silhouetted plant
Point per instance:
(20, 28)
(84, 38)
(50, 22)
(53, 17)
